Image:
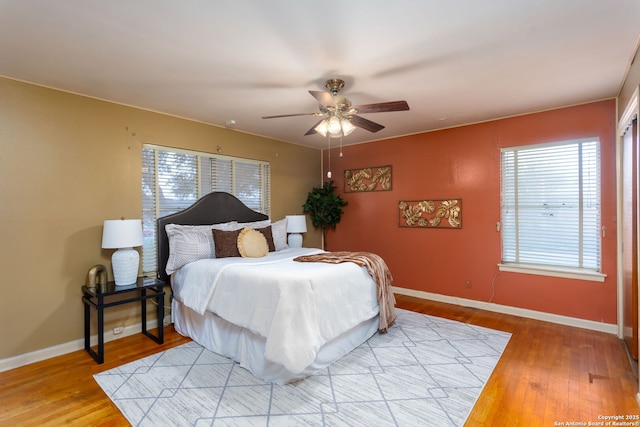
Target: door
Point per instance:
(630, 238)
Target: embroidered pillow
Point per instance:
(252, 243)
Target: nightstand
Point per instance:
(110, 295)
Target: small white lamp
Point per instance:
(296, 224)
(123, 234)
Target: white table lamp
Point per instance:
(123, 234)
(296, 224)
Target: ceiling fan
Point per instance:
(339, 116)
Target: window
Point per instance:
(174, 179)
(550, 213)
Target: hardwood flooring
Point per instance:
(549, 375)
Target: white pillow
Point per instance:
(279, 232)
(188, 243)
(255, 224)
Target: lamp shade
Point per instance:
(296, 224)
(122, 233)
(322, 127)
(347, 127)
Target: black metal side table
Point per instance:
(110, 295)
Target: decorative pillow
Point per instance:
(226, 243)
(252, 243)
(255, 224)
(268, 235)
(188, 243)
(279, 231)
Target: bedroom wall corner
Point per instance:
(69, 162)
(464, 163)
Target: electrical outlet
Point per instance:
(118, 330)
(467, 283)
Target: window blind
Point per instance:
(174, 179)
(550, 196)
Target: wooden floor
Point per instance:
(548, 375)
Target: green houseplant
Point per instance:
(324, 206)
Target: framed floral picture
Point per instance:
(446, 213)
(375, 178)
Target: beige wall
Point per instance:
(69, 162)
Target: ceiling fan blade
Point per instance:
(288, 115)
(382, 107)
(313, 129)
(365, 124)
(325, 98)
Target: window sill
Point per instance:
(568, 273)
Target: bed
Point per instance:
(280, 319)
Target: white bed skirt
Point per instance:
(247, 348)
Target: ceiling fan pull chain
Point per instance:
(329, 156)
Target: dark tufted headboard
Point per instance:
(214, 208)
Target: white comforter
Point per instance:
(297, 307)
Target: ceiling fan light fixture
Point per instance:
(347, 127)
(322, 127)
(335, 127)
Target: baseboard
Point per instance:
(515, 311)
(69, 347)
(58, 350)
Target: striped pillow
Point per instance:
(188, 243)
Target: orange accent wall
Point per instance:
(464, 163)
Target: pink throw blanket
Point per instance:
(378, 270)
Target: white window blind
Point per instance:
(174, 179)
(550, 213)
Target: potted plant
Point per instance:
(324, 206)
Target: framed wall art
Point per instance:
(446, 213)
(375, 178)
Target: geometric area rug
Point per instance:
(426, 371)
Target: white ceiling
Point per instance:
(454, 62)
